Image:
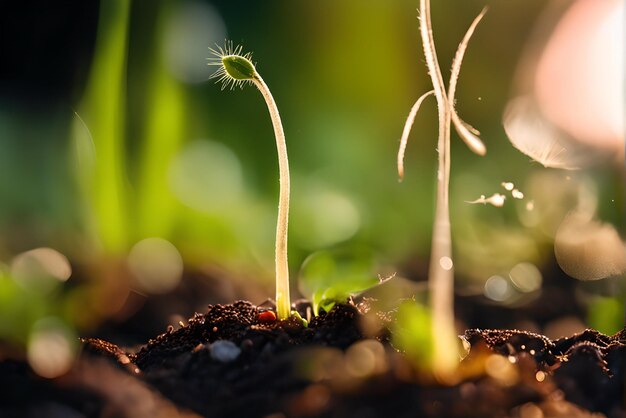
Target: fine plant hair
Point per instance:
(237, 69)
(441, 272)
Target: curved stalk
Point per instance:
(283, 304)
(465, 132)
(407, 130)
(236, 69)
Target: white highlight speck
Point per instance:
(224, 351)
(446, 263)
(497, 288)
(496, 200)
(508, 185)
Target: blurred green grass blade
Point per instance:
(164, 129)
(102, 109)
(164, 132)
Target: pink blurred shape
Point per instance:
(579, 82)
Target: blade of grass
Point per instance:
(164, 129)
(103, 108)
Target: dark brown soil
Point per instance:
(234, 362)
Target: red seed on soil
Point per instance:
(266, 316)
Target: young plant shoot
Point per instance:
(237, 69)
(441, 273)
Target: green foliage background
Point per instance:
(344, 75)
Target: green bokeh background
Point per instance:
(344, 75)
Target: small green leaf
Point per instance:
(297, 315)
(316, 300)
(332, 276)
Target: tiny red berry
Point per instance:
(266, 316)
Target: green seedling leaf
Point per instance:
(297, 315)
(332, 276)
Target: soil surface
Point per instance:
(238, 361)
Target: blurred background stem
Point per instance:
(103, 108)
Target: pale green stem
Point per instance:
(441, 272)
(283, 304)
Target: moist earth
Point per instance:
(236, 360)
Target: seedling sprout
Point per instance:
(441, 273)
(237, 69)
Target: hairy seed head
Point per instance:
(234, 67)
(238, 67)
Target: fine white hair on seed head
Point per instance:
(222, 54)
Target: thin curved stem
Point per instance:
(283, 304)
(430, 53)
(407, 130)
(471, 139)
(458, 57)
